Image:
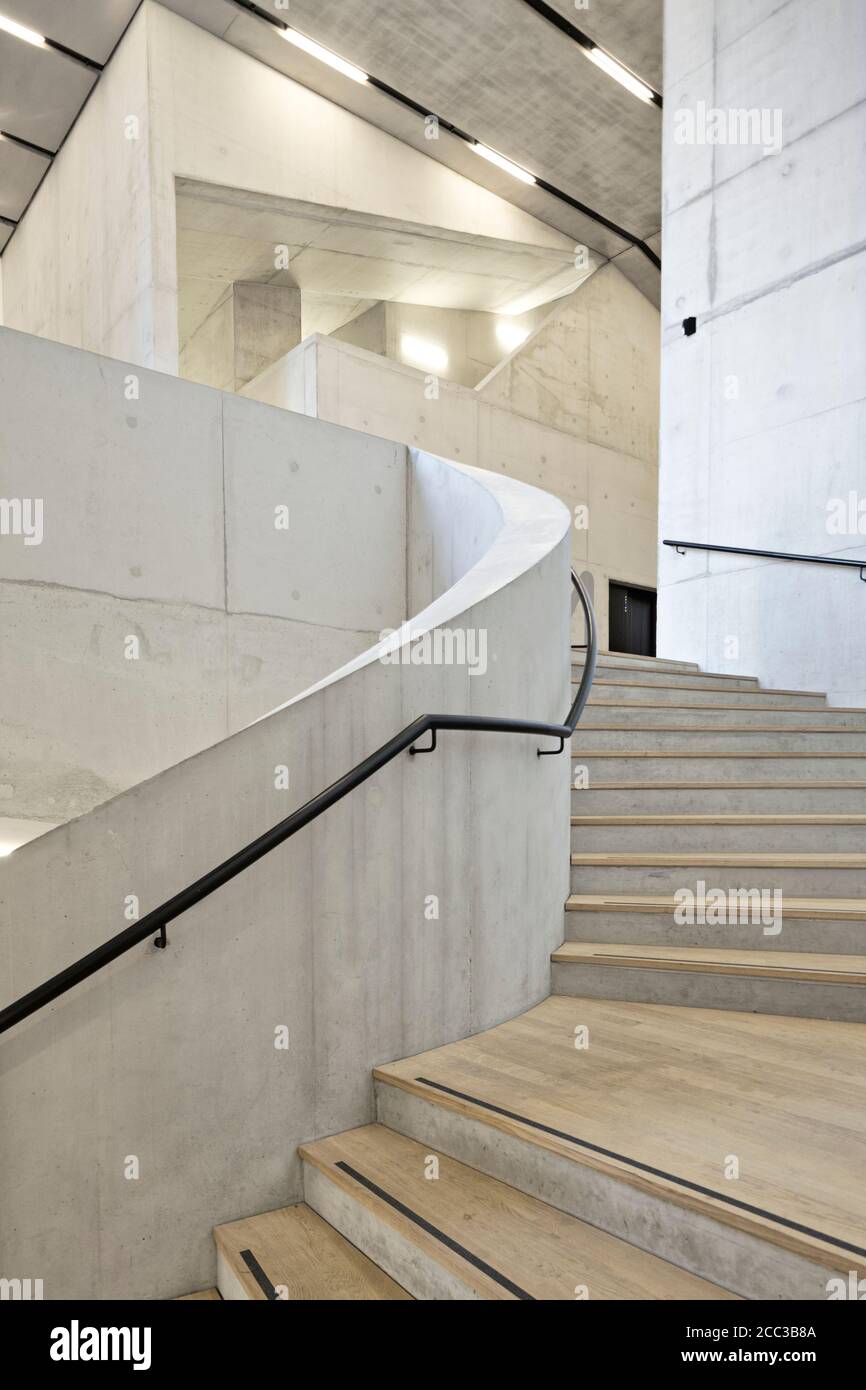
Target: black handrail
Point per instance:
(683, 546)
(159, 918)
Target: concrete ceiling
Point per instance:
(499, 72)
(344, 261)
(629, 29)
(42, 90)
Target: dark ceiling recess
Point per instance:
(559, 21)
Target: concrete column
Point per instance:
(251, 327)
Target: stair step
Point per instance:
(205, 1294)
(292, 1254)
(629, 659)
(693, 795)
(794, 874)
(796, 983)
(606, 688)
(675, 680)
(639, 740)
(730, 765)
(781, 965)
(628, 715)
(463, 1234)
(835, 926)
(726, 832)
(629, 1115)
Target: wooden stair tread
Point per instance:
(818, 818)
(300, 1252)
(205, 1294)
(534, 1248)
(804, 784)
(665, 1093)
(721, 753)
(633, 728)
(664, 685)
(776, 965)
(707, 709)
(830, 909)
(730, 859)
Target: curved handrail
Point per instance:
(683, 546)
(159, 918)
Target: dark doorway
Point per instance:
(632, 620)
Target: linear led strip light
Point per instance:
(619, 73)
(20, 31)
(324, 55)
(502, 163)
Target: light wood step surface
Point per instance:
(817, 819)
(734, 859)
(708, 682)
(832, 909)
(804, 785)
(662, 1095)
(296, 1251)
(206, 1294)
(775, 965)
(586, 755)
(493, 1238)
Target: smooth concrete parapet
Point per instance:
(169, 1092)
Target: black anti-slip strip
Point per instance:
(259, 1275)
(645, 1167)
(436, 1233)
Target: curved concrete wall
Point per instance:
(160, 527)
(155, 1100)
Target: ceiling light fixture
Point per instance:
(19, 31)
(619, 73)
(324, 55)
(502, 163)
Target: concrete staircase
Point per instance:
(610, 1143)
(690, 778)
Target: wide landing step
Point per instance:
(445, 1230)
(729, 1144)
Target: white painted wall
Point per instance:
(169, 1055)
(763, 409)
(561, 413)
(212, 113)
(159, 524)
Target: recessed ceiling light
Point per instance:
(19, 31)
(502, 163)
(324, 55)
(619, 73)
(420, 353)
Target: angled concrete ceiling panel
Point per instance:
(41, 91)
(88, 27)
(512, 80)
(20, 172)
(631, 30)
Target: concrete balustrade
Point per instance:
(169, 1092)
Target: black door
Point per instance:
(632, 620)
